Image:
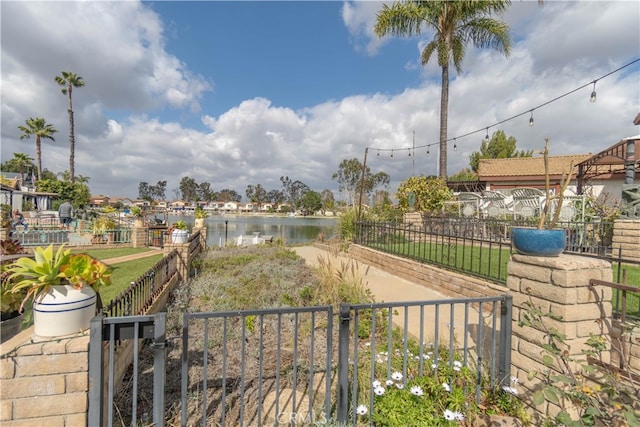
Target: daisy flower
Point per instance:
(400, 386)
(389, 382)
(449, 415)
(417, 390)
(458, 416)
(375, 384)
(397, 376)
(446, 386)
(378, 391)
(362, 410)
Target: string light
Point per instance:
(592, 98)
(409, 149)
(455, 146)
(378, 153)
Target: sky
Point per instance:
(238, 93)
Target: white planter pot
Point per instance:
(179, 236)
(63, 310)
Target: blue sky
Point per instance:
(239, 93)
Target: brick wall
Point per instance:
(626, 239)
(45, 383)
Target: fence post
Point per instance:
(96, 371)
(504, 360)
(343, 363)
(159, 368)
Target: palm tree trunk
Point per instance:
(39, 157)
(72, 140)
(444, 116)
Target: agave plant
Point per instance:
(51, 268)
(37, 275)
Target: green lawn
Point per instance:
(124, 273)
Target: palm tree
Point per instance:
(68, 81)
(37, 126)
(455, 23)
(22, 161)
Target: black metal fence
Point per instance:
(138, 297)
(479, 247)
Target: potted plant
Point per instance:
(180, 233)
(11, 318)
(102, 229)
(138, 216)
(546, 239)
(200, 215)
(62, 286)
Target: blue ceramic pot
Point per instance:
(531, 241)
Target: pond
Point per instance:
(293, 230)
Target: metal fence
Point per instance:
(476, 247)
(74, 237)
(138, 297)
(285, 366)
(479, 247)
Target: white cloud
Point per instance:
(123, 136)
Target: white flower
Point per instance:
(434, 366)
(367, 344)
(458, 416)
(417, 390)
(389, 382)
(446, 386)
(362, 410)
(378, 391)
(375, 384)
(510, 390)
(514, 380)
(397, 376)
(449, 415)
(400, 386)
(457, 363)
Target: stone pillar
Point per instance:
(626, 239)
(140, 237)
(203, 234)
(559, 286)
(183, 257)
(45, 383)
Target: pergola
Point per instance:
(619, 158)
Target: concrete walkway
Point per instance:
(131, 257)
(389, 288)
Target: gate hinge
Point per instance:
(159, 345)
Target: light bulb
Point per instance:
(593, 93)
(531, 120)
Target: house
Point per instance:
(505, 175)
(20, 195)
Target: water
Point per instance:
(293, 230)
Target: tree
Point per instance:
(227, 195)
(40, 129)
(465, 174)
(144, 191)
(188, 189)
(276, 197)
(68, 81)
(205, 192)
(328, 201)
(311, 202)
(499, 147)
(429, 193)
(293, 191)
(256, 194)
(19, 164)
(455, 24)
(349, 177)
(77, 192)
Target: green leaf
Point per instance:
(538, 398)
(550, 394)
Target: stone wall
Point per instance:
(45, 383)
(626, 239)
(447, 282)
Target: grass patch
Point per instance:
(124, 273)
